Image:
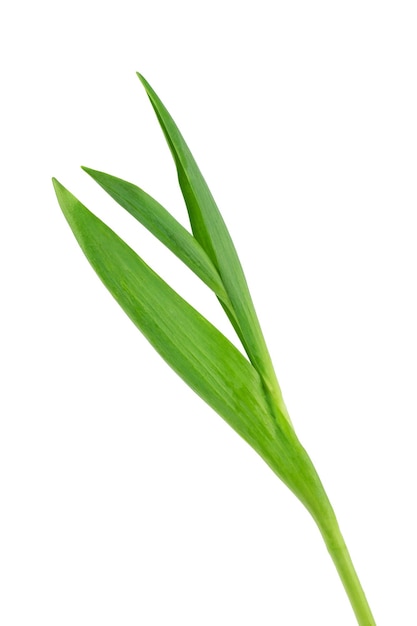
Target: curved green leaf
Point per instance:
(210, 230)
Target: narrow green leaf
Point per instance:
(210, 230)
(164, 226)
(194, 348)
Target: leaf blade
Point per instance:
(197, 351)
(155, 218)
(210, 230)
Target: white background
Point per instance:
(124, 499)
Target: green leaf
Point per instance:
(164, 226)
(202, 356)
(210, 230)
(196, 350)
(246, 395)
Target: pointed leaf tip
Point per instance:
(144, 82)
(89, 170)
(59, 190)
(210, 231)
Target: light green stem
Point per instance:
(300, 475)
(341, 558)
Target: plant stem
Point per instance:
(341, 558)
(305, 483)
